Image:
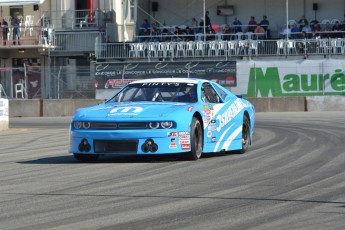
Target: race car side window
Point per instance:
(208, 94)
(220, 91)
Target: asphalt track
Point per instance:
(293, 177)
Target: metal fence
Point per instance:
(220, 49)
(82, 41)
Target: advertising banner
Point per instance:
(116, 75)
(308, 78)
(4, 113)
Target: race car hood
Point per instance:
(140, 110)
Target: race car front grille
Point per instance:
(115, 146)
(118, 125)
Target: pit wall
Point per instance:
(58, 108)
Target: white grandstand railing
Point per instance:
(220, 49)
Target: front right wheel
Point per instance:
(245, 135)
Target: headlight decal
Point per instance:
(86, 125)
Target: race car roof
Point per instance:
(175, 80)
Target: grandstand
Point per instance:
(73, 50)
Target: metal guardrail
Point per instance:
(220, 49)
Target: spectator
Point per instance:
(4, 31)
(306, 29)
(210, 33)
(265, 24)
(302, 22)
(327, 27)
(178, 34)
(237, 25)
(155, 34)
(286, 31)
(336, 28)
(313, 44)
(166, 34)
(301, 45)
(207, 19)
(259, 32)
(189, 34)
(145, 35)
(251, 24)
(16, 31)
(226, 32)
(314, 34)
(194, 26)
(294, 31)
(146, 25)
(201, 25)
(313, 22)
(316, 27)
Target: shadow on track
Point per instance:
(69, 159)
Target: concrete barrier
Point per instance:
(67, 107)
(328, 103)
(24, 108)
(4, 116)
(279, 104)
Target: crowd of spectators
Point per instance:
(154, 32)
(313, 29)
(295, 30)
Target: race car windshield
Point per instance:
(157, 92)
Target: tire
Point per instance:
(86, 157)
(196, 140)
(245, 135)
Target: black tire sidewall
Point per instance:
(196, 151)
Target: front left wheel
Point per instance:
(196, 140)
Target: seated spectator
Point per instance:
(336, 28)
(295, 33)
(314, 43)
(286, 31)
(226, 32)
(313, 22)
(210, 33)
(155, 34)
(194, 26)
(251, 24)
(259, 32)
(327, 27)
(178, 34)
(189, 34)
(237, 25)
(302, 22)
(265, 24)
(201, 25)
(306, 29)
(216, 28)
(301, 45)
(315, 35)
(146, 24)
(316, 27)
(144, 35)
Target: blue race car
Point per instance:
(185, 116)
